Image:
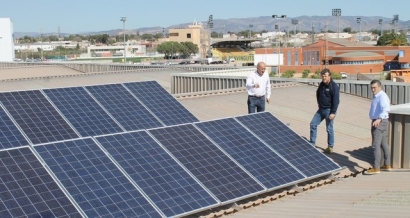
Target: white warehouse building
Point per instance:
(6, 40)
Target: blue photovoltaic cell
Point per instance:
(10, 136)
(165, 182)
(264, 164)
(222, 176)
(38, 119)
(124, 107)
(27, 190)
(82, 111)
(93, 180)
(287, 143)
(161, 103)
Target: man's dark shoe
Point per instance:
(329, 150)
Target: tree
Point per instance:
(347, 30)
(189, 48)
(392, 39)
(147, 37)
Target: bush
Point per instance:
(315, 76)
(272, 73)
(305, 73)
(288, 74)
(336, 76)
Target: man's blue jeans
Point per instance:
(320, 115)
(256, 103)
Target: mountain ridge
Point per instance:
(261, 23)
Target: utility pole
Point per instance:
(123, 19)
(279, 57)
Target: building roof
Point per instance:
(359, 54)
(350, 195)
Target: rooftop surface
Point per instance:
(350, 195)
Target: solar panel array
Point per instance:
(220, 174)
(27, 190)
(82, 111)
(170, 187)
(288, 144)
(262, 162)
(37, 117)
(163, 105)
(107, 150)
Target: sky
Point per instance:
(79, 16)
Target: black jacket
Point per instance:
(328, 96)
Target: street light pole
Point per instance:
(250, 30)
(359, 21)
(123, 19)
(337, 12)
(41, 41)
(278, 18)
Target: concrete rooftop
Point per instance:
(351, 194)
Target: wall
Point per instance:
(6, 40)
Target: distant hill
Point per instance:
(262, 23)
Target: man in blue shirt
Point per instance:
(327, 96)
(379, 114)
(259, 89)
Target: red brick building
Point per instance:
(343, 55)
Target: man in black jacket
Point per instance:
(327, 96)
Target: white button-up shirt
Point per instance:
(380, 106)
(264, 84)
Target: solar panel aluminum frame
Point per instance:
(175, 159)
(285, 160)
(307, 178)
(212, 142)
(55, 179)
(112, 160)
(16, 124)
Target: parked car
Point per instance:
(344, 75)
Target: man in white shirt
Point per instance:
(379, 114)
(259, 89)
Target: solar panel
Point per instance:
(82, 111)
(38, 119)
(124, 107)
(264, 164)
(287, 143)
(161, 103)
(10, 136)
(93, 180)
(222, 176)
(165, 182)
(27, 190)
